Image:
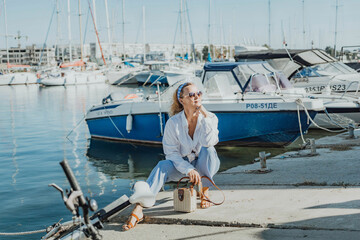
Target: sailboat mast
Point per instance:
(123, 27)
(144, 37)
(186, 30)
(58, 30)
(108, 28)
(221, 36)
(81, 42)
(303, 18)
(181, 29)
(336, 19)
(69, 30)
(209, 30)
(97, 34)
(6, 35)
(269, 3)
(191, 35)
(94, 18)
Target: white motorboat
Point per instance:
(246, 117)
(165, 73)
(311, 69)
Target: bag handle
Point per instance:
(206, 198)
(200, 189)
(180, 181)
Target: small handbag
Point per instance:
(185, 198)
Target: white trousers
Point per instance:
(207, 164)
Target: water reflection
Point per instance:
(127, 161)
(13, 156)
(123, 160)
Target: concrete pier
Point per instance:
(311, 197)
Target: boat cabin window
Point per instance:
(159, 67)
(220, 84)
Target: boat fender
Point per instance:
(129, 120)
(131, 96)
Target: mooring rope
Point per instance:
(22, 233)
(299, 102)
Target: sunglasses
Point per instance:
(192, 94)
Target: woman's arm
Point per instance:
(171, 147)
(209, 135)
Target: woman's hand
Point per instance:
(194, 177)
(203, 111)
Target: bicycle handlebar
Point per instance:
(82, 202)
(72, 180)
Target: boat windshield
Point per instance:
(245, 71)
(326, 69)
(220, 84)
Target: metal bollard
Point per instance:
(312, 146)
(262, 157)
(351, 130)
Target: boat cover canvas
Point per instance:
(225, 66)
(280, 58)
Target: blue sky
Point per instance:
(243, 20)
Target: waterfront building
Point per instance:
(29, 55)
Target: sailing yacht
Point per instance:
(12, 78)
(76, 72)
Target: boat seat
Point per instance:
(260, 83)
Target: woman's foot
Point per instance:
(204, 203)
(135, 217)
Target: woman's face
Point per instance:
(191, 99)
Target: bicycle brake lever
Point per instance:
(60, 190)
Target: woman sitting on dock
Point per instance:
(188, 143)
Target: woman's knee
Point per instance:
(164, 165)
(208, 151)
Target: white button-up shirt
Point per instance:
(178, 144)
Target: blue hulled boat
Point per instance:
(242, 96)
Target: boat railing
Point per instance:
(357, 89)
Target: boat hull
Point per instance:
(238, 128)
(341, 117)
(74, 79)
(18, 78)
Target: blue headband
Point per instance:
(179, 90)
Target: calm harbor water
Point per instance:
(34, 124)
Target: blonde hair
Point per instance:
(176, 106)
